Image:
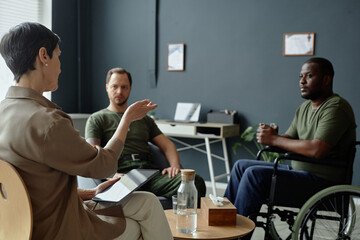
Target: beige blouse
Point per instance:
(40, 141)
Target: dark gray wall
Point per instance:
(65, 25)
(233, 56)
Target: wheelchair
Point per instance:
(319, 212)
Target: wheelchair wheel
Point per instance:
(333, 213)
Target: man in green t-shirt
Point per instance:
(323, 128)
(101, 126)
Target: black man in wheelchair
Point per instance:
(323, 128)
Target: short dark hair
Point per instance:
(20, 46)
(119, 71)
(325, 65)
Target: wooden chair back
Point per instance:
(16, 218)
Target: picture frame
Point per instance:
(299, 44)
(175, 56)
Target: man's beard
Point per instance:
(122, 103)
(311, 95)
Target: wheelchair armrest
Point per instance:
(269, 149)
(302, 158)
(298, 157)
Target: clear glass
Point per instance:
(186, 217)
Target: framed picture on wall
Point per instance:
(298, 44)
(175, 54)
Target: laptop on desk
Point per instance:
(187, 112)
(127, 184)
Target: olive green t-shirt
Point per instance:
(102, 125)
(333, 122)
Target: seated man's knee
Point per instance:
(258, 174)
(250, 173)
(241, 165)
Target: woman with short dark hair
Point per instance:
(40, 141)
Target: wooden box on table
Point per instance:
(218, 215)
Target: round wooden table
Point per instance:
(243, 227)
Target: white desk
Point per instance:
(218, 132)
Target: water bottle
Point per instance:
(187, 195)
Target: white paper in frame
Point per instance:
(175, 56)
(298, 44)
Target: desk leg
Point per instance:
(226, 159)
(211, 169)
